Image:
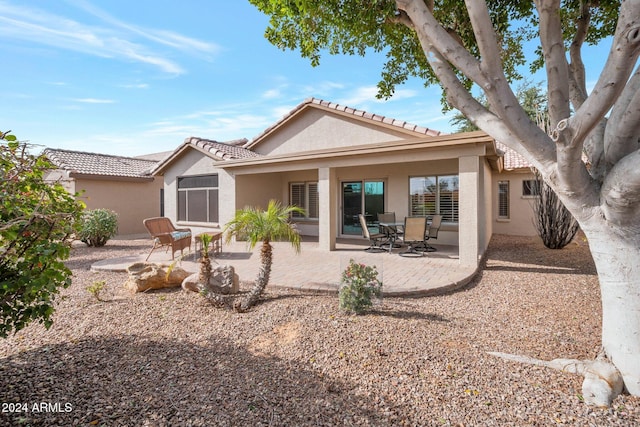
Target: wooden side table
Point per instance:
(216, 242)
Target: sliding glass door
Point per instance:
(361, 197)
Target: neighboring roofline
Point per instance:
(377, 148)
(98, 177)
(194, 143)
(71, 171)
(352, 113)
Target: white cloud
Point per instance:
(365, 95)
(271, 94)
(136, 86)
(115, 40)
(94, 101)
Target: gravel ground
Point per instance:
(170, 359)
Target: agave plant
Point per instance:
(266, 226)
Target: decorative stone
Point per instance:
(144, 276)
(224, 280)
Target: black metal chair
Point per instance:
(376, 239)
(415, 228)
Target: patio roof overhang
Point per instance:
(416, 149)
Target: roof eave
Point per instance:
(98, 177)
(416, 143)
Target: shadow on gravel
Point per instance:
(135, 381)
(416, 315)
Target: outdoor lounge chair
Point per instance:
(165, 234)
(414, 235)
(375, 238)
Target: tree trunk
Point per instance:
(617, 260)
(262, 280)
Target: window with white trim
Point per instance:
(531, 187)
(198, 198)
(503, 199)
(305, 196)
(435, 195)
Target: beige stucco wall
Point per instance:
(193, 162)
(520, 222)
(316, 129)
(132, 201)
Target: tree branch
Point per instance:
(555, 59)
(441, 49)
(619, 66)
(577, 79)
(429, 29)
(621, 193)
(621, 135)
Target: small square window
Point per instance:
(531, 187)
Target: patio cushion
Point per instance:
(177, 235)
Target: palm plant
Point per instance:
(266, 226)
(205, 272)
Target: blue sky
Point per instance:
(135, 77)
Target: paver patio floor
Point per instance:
(318, 271)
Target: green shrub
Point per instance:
(98, 226)
(36, 221)
(358, 287)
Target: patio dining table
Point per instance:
(391, 230)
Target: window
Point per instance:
(503, 199)
(305, 196)
(435, 195)
(531, 188)
(198, 198)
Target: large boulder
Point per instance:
(145, 275)
(224, 280)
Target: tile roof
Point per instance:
(348, 110)
(230, 150)
(512, 159)
(80, 162)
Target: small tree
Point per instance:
(265, 226)
(36, 220)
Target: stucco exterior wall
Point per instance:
(485, 208)
(520, 221)
(193, 162)
(132, 201)
(316, 129)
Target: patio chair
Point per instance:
(375, 238)
(165, 234)
(414, 235)
(432, 232)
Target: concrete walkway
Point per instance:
(314, 271)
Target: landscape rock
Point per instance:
(224, 280)
(144, 276)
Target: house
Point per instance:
(337, 162)
(121, 184)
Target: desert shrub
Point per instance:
(358, 287)
(553, 221)
(36, 221)
(98, 226)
